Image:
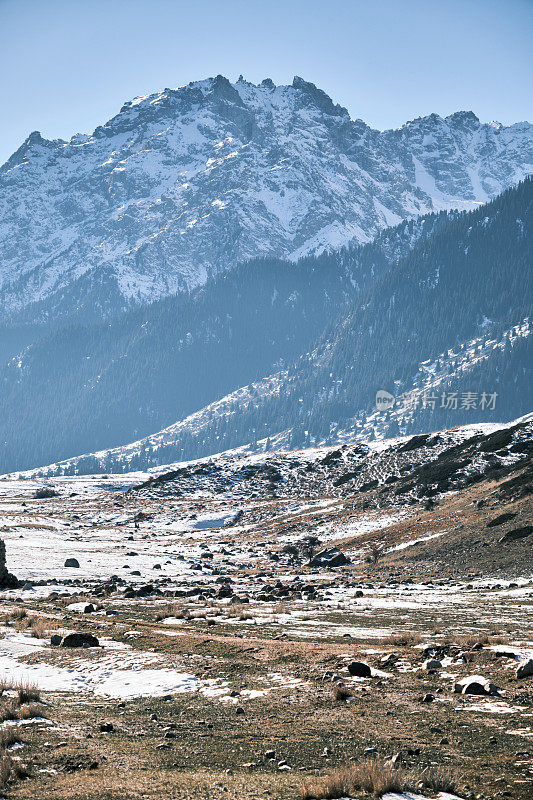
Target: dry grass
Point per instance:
(12, 709)
(30, 711)
(403, 639)
(341, 694)
(370, 776)
(38, 627)
(6, 770)
(9, 710)
(239, 611)
(376, 551)
(8, 737)
(439, 779)
(16, 615)
(27, 692)
(170, 610)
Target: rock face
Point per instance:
(185, 182)
(7, 580)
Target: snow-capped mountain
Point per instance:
(184, 183)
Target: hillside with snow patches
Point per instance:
(457, 349)
(429, 385)
(184, 183)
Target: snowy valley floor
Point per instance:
(224, 641)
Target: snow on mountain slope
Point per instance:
(431, 381)
(183, 183)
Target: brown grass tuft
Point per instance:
(370, 776)
(27, 692)
(9, 710)
(341, 694)
(6, 770)
(30, 711)
(439, 779)
(403, 639)
(8, 737)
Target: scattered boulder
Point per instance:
(79, 639)
(358, 669)
(475, 684)
(517, 533)
(106, 727)
(56, 639)
(501, 519)
(329, 558)
(525, 669)
(431, 664)
(72, 562)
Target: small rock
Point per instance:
(72, 562)
(106, 727)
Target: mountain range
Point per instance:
(277, 354)
(236, 266)
(185, 183)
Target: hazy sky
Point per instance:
(68, 65)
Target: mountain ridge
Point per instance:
(184, 183)
(293, 353)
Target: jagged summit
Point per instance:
(183, 183)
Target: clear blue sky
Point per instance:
(68, 65)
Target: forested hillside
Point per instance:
(342, 326)
(85, 387)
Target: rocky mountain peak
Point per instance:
(183, 183)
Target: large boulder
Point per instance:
(431, 664)
(525, 669)
(329, 558)
(73, 563)
(358, 669)
(79, 639)
(516, 534)
(475, 684)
